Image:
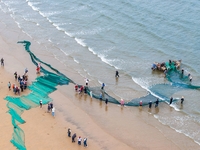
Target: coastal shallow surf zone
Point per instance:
(180, 122)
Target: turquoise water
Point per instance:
(129, 36)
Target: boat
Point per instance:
(164, 66)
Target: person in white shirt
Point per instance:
(53, 111)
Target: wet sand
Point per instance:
(107, 127)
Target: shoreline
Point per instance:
(110, 127)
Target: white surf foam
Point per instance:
(81, 42)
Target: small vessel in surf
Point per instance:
(171, 65)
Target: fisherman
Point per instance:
(122, 102)
(76, 87)
(73, 137)
(154, 66)
(2, 62)
(40, 103)
(165, 72)
(157, 102)
(182, 99)
(79, 140)
(190, 78)
(171, 99)
(103, 85)
(106, 101)
(182, 71)
(117, 74)
(170, 62)
(86, 82)
(69, 132)
(140, 103)
(150, 104)
(85, 142)
(189, 74)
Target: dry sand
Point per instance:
(108, 127)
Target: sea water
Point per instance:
(104, 36)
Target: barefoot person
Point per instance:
(117, 74)
(182, 99)
(2, 62)
(85, 142)
(122, 102)
(171, 99)
(157, 102)
(69, 132)
(40, 103)
(73, 137)
(9, 85)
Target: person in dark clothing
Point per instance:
(117, 74)
(106, 101)
(150, 104)
(2, 61)
(182, 71)
(49, 108)
(103, 85)
(171, 99)
(15, 74)
(182, 99)
(69, 132)
(157, 102)
(51, 105)
(85, 142)
(73, 137)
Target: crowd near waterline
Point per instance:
(22, 80)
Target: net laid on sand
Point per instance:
(46, 84)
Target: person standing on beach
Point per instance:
(140, 103)
(2, 62)
(182, 99)
(79, 140)
(91, 94)
(171, 99)
(122, 102)
(157, 102)
(150, 104)
(69, 132)
(15, 74)
(103, 85)
(85, 142)
(53, 111)
(9, 85)
(48, 108)
(40, 103)
(117, 74)
(106, 101)
(76, 87)
(100, 96)
(73, 137)
(51, 106)
(86, 82)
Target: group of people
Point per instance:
(22, 82)
(157, 102)
(189, 75)
(50, 107)
(79, 138)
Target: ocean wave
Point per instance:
(91, 50)
(89, 32)
(81, 42)
(32, 6)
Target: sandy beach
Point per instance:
(107, 127)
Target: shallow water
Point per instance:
(96, 38)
